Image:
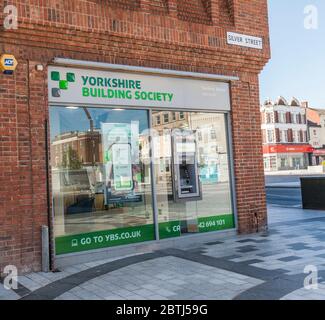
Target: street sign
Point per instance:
(244, 40)
(8, 63)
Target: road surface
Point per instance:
(281, 193)
(286, 196)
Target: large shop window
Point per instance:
(102, 188)
(192, 174)
(101, 179)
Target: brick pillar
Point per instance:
(248, 155)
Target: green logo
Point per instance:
(63, 82)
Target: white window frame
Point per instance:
(270, 133)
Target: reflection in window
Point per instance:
(215, 206)
(100, 169)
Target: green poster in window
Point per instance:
(120, 143)
(122, 167)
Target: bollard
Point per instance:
(45, 249)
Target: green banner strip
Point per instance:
(171, 229)
(222, 222)
(104, 239)
(110, 238)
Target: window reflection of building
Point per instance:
(173, 120)
(162, 145)
(213, 169)
(79, 173)
(211, 141)
(86, 146)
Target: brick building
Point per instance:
(316, 133)
(106, 66)
(284, 133)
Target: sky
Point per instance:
(297, 66)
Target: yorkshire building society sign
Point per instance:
(243, 40)
(93, 87)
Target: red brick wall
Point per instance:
(161, 33)
(247, 140)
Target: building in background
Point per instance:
(316, 135)
(284, 133)
(209, 131)
(75, 147)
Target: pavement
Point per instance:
(284, 185)
(268, 265)
(287, 179)
(302, 172)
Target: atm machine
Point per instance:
(187, 186)
(186, 180)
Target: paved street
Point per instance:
(263, 266)
(268, 265)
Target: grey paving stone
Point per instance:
(298, 246)
(317, 248)
(7, 294)
(252, 261)
(183, 294)
(116, 297)
(176, 282)
(214, 243)
(157, 297)
(289, 258)
(245, 240)
(269, 253)
(246, 249)
(68, 296)
(165, 293)
(85, 294)
(145, 292)
(136, 297)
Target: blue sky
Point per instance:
(297, 67)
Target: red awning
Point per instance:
(282, 148)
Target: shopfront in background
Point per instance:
(286, 157)
(137, 157)
(318, 157)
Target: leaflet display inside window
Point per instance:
(101, 179)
